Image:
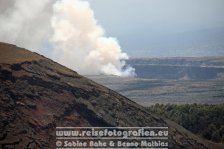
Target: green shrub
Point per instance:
(203, 119)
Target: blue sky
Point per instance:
(159, 28)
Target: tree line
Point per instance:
(206, 120)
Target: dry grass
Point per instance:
(11, 54)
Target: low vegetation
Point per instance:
(206, 120)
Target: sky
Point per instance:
(160, 28)
(143, 28)
(65, 31)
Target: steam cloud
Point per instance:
(69, 30)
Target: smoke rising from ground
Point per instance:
(69, 30)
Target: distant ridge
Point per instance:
(192, 68)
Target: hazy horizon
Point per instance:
(157, 28)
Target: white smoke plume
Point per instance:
(24, 23)
(69, 30)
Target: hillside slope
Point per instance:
(37, 95)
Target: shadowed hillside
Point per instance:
(37, 95)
